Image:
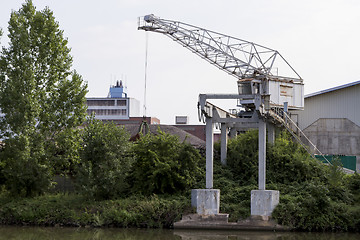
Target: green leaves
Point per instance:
(286, 161)
(105, 160)
(163, 164)
(41, 97)
(242, 157)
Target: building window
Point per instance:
(121, 102)
(104, 112)
(100, 102)
(89, 111)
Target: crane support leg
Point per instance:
(209, 152)
(271, 133)
(263, 201)
(224, 139)
(207, 201)
(262, 154)
(233, 132)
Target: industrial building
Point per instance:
(123, 110)
(117, 106)
(331, 120)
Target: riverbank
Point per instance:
(45, 233)
(313, 196)
(74, 210)
(162, 211)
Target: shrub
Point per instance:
(242, 157)
(26, 170)
(309, 207)
(74, 210)
(105, 160)
(286, 161)
(163, 164)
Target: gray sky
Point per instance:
(319, 38)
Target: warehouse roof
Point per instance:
(332, 89)
(133, 129)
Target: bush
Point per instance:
(74, 210)
(26, 170)
(314, 197)
(242, 157)
(352, 182)
(286, 161)
(163, 164)
(105, 161)
(311, 208)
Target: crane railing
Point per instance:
(283, 117)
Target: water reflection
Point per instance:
(38, 233)
(242, 235)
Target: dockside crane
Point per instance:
(255, 67)
(264, 93)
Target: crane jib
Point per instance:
(237, 57)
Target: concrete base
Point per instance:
(263, 202)
(220, 222)
(206, 201)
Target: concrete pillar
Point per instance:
(271, 133)
(224, 139)
(209, 152)
(263, 202)
(262, 154)
(233, 132)
(206, 201)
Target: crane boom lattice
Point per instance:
(239, 58)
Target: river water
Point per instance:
(58, 233)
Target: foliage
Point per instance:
(40, 99)
(353, 183)
(163, 164)
(287, 162)
(105, 160)
(314, 197)
(336, 175)
(311, 208)
(242, 157)
(235, 197)
(24, 172)
(75, 210)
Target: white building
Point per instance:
(331, 120)
(117, 106)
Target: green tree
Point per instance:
(164, 165)
(40, 98)
(105, 160)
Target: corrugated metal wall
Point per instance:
(331, 120)
(342, 103)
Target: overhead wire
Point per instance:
(146, 60)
